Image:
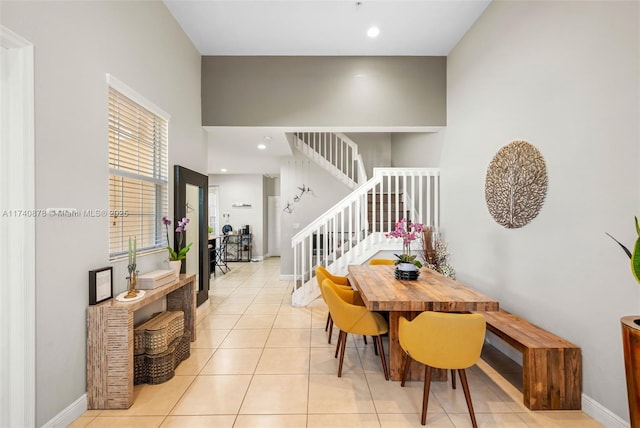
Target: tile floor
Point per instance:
(258, 362)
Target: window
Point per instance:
(138, 171)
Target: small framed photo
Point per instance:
(100, 285)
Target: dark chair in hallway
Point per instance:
(219, 256)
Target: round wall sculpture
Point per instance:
(516, 184)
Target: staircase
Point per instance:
(334, 152)
(353, 230)
(392, 202)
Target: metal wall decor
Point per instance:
(516, 184)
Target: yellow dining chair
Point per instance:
(321, 274)
(339, 280)
(444, 341)
(382, 262)
(354, 319)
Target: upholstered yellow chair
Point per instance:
(321, 274)
(382, 262)
(354, 319)
(339, 280)
(444, 341)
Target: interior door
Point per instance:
(274, 213)
(190, 199)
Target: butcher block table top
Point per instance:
(381, 291)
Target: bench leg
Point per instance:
(552, 379)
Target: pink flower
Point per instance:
(407, 231)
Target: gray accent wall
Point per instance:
(323, 91)
(75, 45)
(375, 149)
(565, 77)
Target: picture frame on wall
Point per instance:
(100, 285)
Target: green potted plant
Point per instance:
(631, 338)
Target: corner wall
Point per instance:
(75, 45)
(565, 77)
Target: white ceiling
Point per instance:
(304, 28)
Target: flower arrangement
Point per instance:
(181, 229)
(408, 232)
(435, 253)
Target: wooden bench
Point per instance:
(551, 366)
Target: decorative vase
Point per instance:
(407, 271)
(175, 266)
(132, 282)
(631, 348)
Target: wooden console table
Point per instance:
(110, 341)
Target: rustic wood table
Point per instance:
(381, 291)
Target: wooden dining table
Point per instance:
(381, 291)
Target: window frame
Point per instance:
(156, 175)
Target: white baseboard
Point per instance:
(286, 277)
(601, 414)
(68, 415)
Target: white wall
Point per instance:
(242, 188)
(563, 76)
(76, 44)
(416, 149)
(327, 189)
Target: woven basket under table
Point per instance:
(154, 336)
(158, 368)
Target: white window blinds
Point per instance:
(138, 175)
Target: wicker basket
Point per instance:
(154, 369)
(154, 336)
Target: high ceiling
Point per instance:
(306, 28)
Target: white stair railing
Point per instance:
(354, 229)
(335, 152)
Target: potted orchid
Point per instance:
(408, 232)
(176, 257)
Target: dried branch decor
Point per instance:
(435, 253)
(516, 184)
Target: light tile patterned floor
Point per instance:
(258, 362)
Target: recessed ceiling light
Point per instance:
(373, 32)
(262, 146)
(223, 169)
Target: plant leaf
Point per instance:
(637, 226)
(172, 254)
(635, 261)
(626, 250)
